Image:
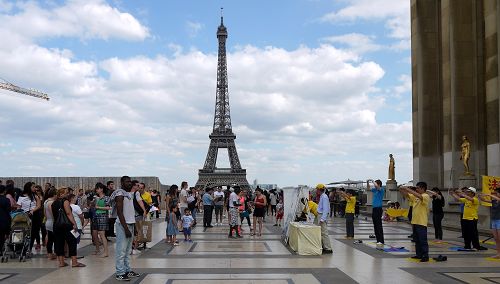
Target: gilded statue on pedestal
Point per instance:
(465, 156)
(392, 175)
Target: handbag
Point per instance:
(62, 222)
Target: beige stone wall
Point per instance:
(455, 49)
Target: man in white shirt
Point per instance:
(323, 211)
(124, 211)
(273, 200)
(183, 195)
(219, 206)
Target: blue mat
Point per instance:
(395, 249)
(461, 249)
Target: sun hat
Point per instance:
(320, 186)
(472, 189)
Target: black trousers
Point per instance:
(273, 210)
(438, 229)
(207, 215)
(50, 241)
(349, 224)
(377, 224)
(470, 234)
(3, 234)
(62, 237)
(36, 225)
(421, 244)
(248, 220)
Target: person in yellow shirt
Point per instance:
(420, 200)
(145, 195)
(311, 207)
(349, 212)
(467, 196)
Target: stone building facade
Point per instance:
(455, 83)
(455, 88)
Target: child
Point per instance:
(279, 213)
(187, 223)
(172, 229)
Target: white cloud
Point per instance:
(85, 19)
(293, 111)
(193, 28)
(359, 43)
(396, 15)
(5, 6)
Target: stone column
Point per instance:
(426, 93)
(492, 85)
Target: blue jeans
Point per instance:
(193, 213)
(123, 248)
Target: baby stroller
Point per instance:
(18, 243)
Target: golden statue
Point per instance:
(392, 175)
(465, 154)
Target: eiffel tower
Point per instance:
(222, 135)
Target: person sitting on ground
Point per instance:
(467, 196)
(495, 216)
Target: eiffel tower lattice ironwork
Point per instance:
(222, 135)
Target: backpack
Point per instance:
(137, 207)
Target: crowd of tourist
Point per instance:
(114, 213)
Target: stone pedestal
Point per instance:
(391, 190)
(467, 181)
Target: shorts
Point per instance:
(187, 231)
(495, 224)
(279, 215)
(259, 212)
(100, 222)
(218, 209)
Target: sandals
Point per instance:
(63, 265)
(78, 264)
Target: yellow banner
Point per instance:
(490, 183)
(393, 212)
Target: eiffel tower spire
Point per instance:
(222, 135)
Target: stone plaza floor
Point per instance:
(213, 258)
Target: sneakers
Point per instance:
(133, 274)
(123, 277)
(275, 225)
(379, 244)
(424, 259)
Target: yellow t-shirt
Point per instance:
(146, 196)
(420, 211)
(470, 208)
(313, 208)
(351, 203)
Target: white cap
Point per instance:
(472, 189)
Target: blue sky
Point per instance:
(319, 90)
